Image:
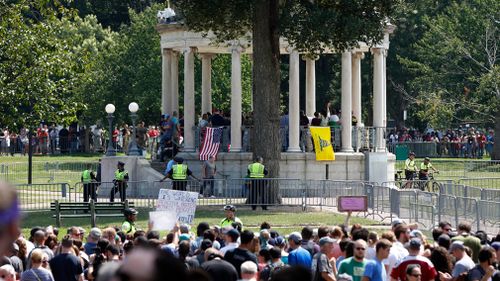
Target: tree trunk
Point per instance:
(496, 146)
(266, 82)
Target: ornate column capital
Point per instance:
(206, 55)
(358, 55)
(378, 50)
(166, 52)
(189, 50)
(235, 46)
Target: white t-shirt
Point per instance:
(397, 252)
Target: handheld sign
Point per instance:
(181, 203)
(352, 203)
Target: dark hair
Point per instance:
(382, 244)
(153, 234)
(436, 232)
(113, 249)
(307, 233)
(183, 250)
(237, 226)
(265, 225)
(400, 229)
(209, 234)
(102, 244)
(442, 224)
(246, 237)
(464, 226)
(275, 253)
(67, 242)
(202, 226)
(168, 265)
(265, 254)
(482, 236)
(486, 253)
(441, 260)
(322, 231)
(122, 235)
(292, 273)
(343, 244)
(349, 249)
(361, 233)
(170, 238)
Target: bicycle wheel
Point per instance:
(436, 187)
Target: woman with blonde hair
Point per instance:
(37, 272)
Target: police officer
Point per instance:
(256, 172)
(410, 166)
(179, 174)
(120, 183)
(424, 169)
(88, 179)
(128, 226)
(229, 211)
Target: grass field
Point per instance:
(284, 220)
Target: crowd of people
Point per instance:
(230, 251)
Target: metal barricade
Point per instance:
(489, 214)
(492, 183)
(468, 210)
(447, 209)
(39, 196)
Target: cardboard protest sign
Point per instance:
(181, 203)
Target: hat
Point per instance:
(121, 163)
(427, 158)
(130, 211)
(178, 159)
(416, 234)
(279, 241)
(496, 245)
(457, 245)
(415, 243)
(95, 233)
(325, 240)
(295, 236)
(396, 221)
(412, 153)
(184, 237)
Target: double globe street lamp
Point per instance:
(133, 149)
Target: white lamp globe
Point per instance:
(110, 108)
(133, 107)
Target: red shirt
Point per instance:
(428, 271)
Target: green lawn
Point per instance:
(285, 220)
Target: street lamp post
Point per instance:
(133, 150)
(110, 109)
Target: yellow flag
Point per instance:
(322, 143)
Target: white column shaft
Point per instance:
(346, 106)
(165, 82)
(206, 83)
(294, 104)
(174, 65)
(356, 87)
(310, 87)
(236, 99)
(188, 100)
(378, 98)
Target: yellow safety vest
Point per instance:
(256, 170)
(425, 167)
(179, 172)
(410, 165)
(120, 175)
(86, 176)
(128, 227)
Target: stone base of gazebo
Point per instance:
(347, 166)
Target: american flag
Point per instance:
(211, 143)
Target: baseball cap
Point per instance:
(184, 237)
(416, 234)
(95, 233)
(325, 240)
(279, 241)
(415, 243)
(121, 163)
(457, 245)
(396, 221)
(295, 236)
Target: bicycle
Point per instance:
(409, 184)
(430, 185)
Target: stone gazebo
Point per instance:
(349, 165)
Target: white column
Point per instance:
(294, 103)
(188, 99)
(166, 96)
(378, 97)
(236, 98)
(174, 65)
(206, 83)
(310, 86)
(356, 85)
(346, 106)
(384, 92)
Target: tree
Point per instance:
(309, 26)
(456, 74)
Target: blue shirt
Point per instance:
(375, 270)
(300, 256)
(169, 166)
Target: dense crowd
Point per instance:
(229, 251)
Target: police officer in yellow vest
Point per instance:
(120, 183)
(424, 169)
(179, 174)
(89, 188)
(258, 192)
(128, 226)
(410, 167)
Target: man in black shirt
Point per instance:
(66, 266)
(238, 256)
(218, 268)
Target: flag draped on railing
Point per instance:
(211, 142)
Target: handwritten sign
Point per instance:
(163, 220)
(352, 203)
(182, 203)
